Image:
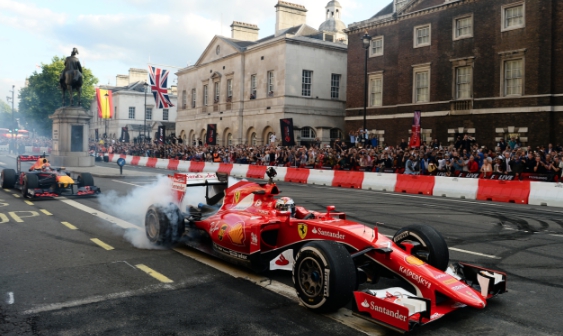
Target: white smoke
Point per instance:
(133, 207)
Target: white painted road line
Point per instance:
(133, 184)
(343, 315)
(161, 287)
(119, 222)
(474, 253)
(10, 298)
(556, 235)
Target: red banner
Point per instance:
(415, 135)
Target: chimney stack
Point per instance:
(244, 31)
(289, 15)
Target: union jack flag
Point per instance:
(159, 79)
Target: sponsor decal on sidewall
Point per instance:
(417, 278)
(326, 286)
(401, 236)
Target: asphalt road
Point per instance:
(56, 280)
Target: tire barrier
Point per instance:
(415, 184)
(297, 175)
(520, 192)
(504, 191)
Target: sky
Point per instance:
(115, 35)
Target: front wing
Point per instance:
(49, 193)
(398, 309)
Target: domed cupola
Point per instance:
(333, 27)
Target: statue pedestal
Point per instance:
(71, 126)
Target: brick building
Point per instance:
(488, 68)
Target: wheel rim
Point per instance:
(152, 225)
(310, 277)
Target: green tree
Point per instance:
(43, 95)
(6, 115)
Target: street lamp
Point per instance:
(366, 42)
(13, 90)
(145, 124)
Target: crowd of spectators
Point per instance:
(464, 155)
(361, 153)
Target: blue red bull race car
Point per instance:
(43, 181)
(333, 260)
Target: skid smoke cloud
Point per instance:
(133, 207)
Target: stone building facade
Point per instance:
(129, 104)
(245, 85)
(493, 69)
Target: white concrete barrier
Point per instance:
(128, 159)
(456, 187)
(379, 181)
(184, 166)
(546, 193)
(320, 177)
(143, 161)
(4, 148)
(239, 170)
(211, 167)
(161, 163)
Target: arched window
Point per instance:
(307, 133)
(253, 139)
(230, 139)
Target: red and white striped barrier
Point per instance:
(521, 192)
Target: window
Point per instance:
(513, 16)
(421, 84)
(306, 83)
(463, 82)
(270, 87)
(184, 99)
(308, 133)
(229, 89)
(513, 77)
(253, 139)
(205, 95)
(131, 112)
(376, 90)
(422, 36)
(230, 139)
(329, 37)
(193, 98)
(253, 87)
(148, 113)
(376, 46)
(463, 27)
(216, 90)
(334, 86)
(165, 114)
(335, 133)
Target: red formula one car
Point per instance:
(333, 260)
(43, 181)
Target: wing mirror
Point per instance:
(329, 209)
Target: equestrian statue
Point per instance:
(71, 78)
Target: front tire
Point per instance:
(85, 180)
(164, 225)
(324, 276)
(8, 178)
(31, 181)
(428, 244)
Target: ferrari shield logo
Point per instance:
(237, 196)
(302, 230)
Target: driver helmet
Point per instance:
(286, 204)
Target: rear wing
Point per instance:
(182, 181)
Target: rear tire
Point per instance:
(430, 245)
(324, 276)
(164, 225)
(85, 180)
(8, 178)
(30, 181)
